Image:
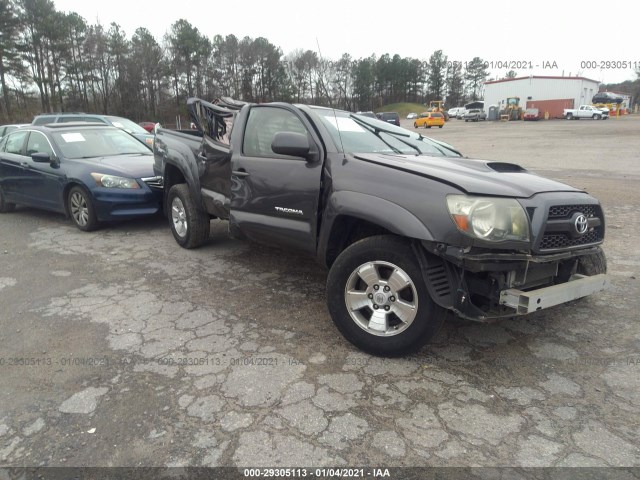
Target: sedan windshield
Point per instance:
(359, 134)
(98, 142)
(126, 125)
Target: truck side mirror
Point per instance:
(291, 143)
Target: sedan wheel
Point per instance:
(378, 299)
(81, 210)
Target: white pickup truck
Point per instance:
(586, 111)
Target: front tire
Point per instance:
(5, 207)
(81, 209)
(593, 264)
(189, 225)
(596, 117)
(378, 300)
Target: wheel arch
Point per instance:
(65, 194)
(352, 216)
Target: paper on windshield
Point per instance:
(73, 137)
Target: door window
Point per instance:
(38, 143)
(15, 142)
(263, 124)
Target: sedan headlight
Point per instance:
(111, 181)
(490, 219)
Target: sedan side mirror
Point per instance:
(43, 157)
(291, 143)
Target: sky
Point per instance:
(532, 38)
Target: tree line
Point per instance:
(56, 61)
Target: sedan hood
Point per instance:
(132, 166)
(478, 177)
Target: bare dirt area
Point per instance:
(119, 348)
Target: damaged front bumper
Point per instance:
(578, 286)
(486, 286)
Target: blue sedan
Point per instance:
(90, 172)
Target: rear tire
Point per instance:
(382, 272)
(189, 225)
(415, 125)
(5, 207)
(569, 116)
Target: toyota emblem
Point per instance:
(581, 224)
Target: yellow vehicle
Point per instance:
(438, 106)
(429, 119)
(512, 110)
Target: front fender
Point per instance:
(175, 154)
(375, 210)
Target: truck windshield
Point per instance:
(359, 134)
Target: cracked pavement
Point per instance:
(119, 348)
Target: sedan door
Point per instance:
(12, 166)
(274, 197)
(45, 186)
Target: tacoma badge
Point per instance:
(289, 210)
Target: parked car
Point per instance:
(532, 114)
(412, 115)
(429, 119)
(475, 115)
(585, 111)
(460, 113)
(453, 112)
(390, 117)
(4, 129)
(148, 126)
(607, 97)
(92, 173)
(408, 229)
(367, 114)
(119, 122)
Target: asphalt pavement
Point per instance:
(119, 348)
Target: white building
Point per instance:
(548, 94)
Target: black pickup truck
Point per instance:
(408, 228)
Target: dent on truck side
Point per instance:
(175, 153)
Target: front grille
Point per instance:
(564, 211)
(552, 241)
(560, 231)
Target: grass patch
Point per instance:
(402, 108)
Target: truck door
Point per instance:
(274, 197)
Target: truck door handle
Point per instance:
(24, 164)
(242, 173)
(202, 157)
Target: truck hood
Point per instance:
(472, 176)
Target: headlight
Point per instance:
(490, 219)
(111, 181)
